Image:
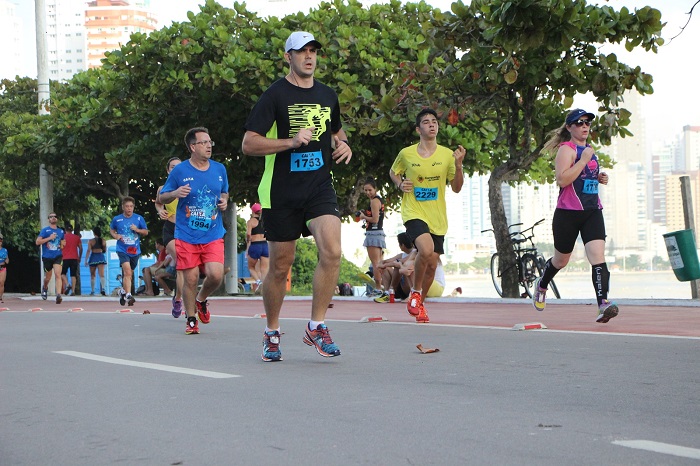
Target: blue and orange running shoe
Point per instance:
(202, 311)
(322, 341)
(271, 346)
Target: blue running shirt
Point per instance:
(130, 244)
(51, 249)
(198, 219)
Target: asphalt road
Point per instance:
(87, 388)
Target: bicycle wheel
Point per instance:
(552, 286)
(555, 290)
(496, 274)
(531, 270)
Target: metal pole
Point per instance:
(44, 98)
(231, 250)
(689, 219)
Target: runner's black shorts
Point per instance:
(70, 265)
(168, 232)
(417, 227)
(49, 262)
(289, 224)
(567, 224)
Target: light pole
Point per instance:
(45, 179)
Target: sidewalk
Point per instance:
(652, 317)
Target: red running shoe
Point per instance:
(192, 327)
(202, 311)
(414, 304)
(422, 317)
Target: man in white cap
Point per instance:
(296, 125)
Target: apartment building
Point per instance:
(109, 24)
(11, 55)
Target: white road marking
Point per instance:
(658, 447)
(148, 365)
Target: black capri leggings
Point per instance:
(567, 224)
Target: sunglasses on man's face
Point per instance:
(580, 123)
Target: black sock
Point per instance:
(601, 281)
(549, 272)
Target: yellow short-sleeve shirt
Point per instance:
(430, 176)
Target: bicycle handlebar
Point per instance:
(521, 234)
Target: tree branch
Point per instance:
(690, 16)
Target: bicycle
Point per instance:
(529, 261)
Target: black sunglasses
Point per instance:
(580, 123)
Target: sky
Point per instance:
(674, 104)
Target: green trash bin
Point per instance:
(683, 254)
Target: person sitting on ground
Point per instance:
(150, 272)
(437, 287)
(165, 273)
(389, 268)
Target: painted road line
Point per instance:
(148, 365)
(658, 447)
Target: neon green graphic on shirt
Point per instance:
(307, 115)
(266, 181)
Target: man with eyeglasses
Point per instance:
(128, 228)
(296, 126)
(51, 240)
(201, 187)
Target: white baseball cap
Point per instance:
(299, 39)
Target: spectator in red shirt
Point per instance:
(72, 252)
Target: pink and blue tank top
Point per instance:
(582, 194)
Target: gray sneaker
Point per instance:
(607, 311)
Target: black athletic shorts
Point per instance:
(70, 265)
(168, 232)
(49, 262)
(567, 224)
(416, 227)
(290, 224)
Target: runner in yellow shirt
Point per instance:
(421, 172)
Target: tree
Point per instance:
(111, 129)
(523, 62)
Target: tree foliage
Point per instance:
(500, 72)
(523, 63)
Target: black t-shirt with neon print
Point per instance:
(291, 177)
